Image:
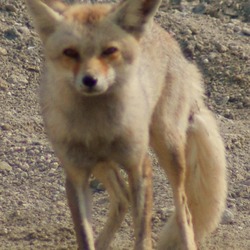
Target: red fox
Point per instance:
(115, 84)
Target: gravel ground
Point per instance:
(33, 209)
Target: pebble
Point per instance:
(228, 114)
(246, 183)
(227, 217)
(230, 12)
(96, 185)
(10, 7)
(233, 47)
(18, 79)
(100, 187)
(11, 33)
(3, 85)
(25, 166)
(205, 61)
(222, 100)
(3, 52)
(221, 48)
(61, 189)
(246, 31)
(237, 29)
(60, 204)
(5, 166)
(24, 30)
(246, 102)
(5, 126)
(212, 56)
(54, 165)
(4, 231)
(199, 9)
(176, 2)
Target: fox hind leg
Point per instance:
(170, 150)
(202, 181)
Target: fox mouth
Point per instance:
(91, 91)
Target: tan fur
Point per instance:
(86, 15)
(125, 86)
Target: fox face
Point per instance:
(91, 47)
(91, 61)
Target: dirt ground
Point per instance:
(33, 209)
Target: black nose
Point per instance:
(89, 81)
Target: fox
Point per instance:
(115, 84)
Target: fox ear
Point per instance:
(45, 18)
(133, 15)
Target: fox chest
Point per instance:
(89, 137)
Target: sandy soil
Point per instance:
(33, 209)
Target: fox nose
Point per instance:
(89, 81)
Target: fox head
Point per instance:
(92, 47)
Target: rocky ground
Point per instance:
(33, 209)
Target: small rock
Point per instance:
(240, 105)
(227, 217)
(230, 12)
(175, 2)
(96, 185)
(239, 177)
(212, 56)
(246, 102)
(228, 114)
(5, 166)
(54, 165)
(33, 68)
(25, 167)
(4, 126)
(61, 204)
(222, 100)
(11, 34)
(221, 48)
(233, 47)
(237, 29)
(3, 52)
(199, 9)
(205, 61)
(4, 231)
(24, 175)
(246, 11)
(100, 187)
(24, 30)
(246, 31)
(199, 46)
(3, 85)
(10, 7)
(18, 79)
(246, 183)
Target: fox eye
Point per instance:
(72, 53)
(109, 51)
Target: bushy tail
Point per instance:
(206, 185)
(205, 181)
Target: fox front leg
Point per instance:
(140, 181)
(117, 188)
(79, 203)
